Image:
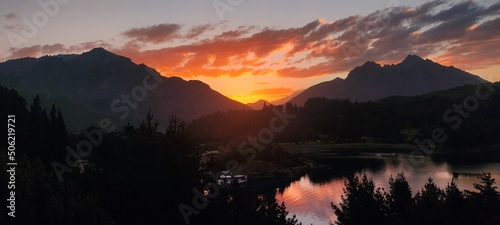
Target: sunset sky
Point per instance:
(256, 49)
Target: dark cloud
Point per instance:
(11, 16)
(154, 34)
(456, 21)
(485, 31)
(455, 11)
(479, 48)
(237, 33)
(198, 30)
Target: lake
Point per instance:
(309, 198)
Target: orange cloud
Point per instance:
(281, 91)
(269, 94)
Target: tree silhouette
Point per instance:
(400, 200)
(269, 212)
(455, 205)
(485, 204)
(429, 204)
(361, 203)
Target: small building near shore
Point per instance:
(228, 178)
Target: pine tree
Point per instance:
(429, 204)
(486, 202)
(454, 204)
(400, 200)
(361, 204)
(38, 128)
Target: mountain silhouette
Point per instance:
(371, 81)
(99, 84)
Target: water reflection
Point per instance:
(309, 198)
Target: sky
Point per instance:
(255, 49)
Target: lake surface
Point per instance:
(309, 198)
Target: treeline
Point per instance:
(40, 133)
(392, 120)
(40, 139)
(363, 204)
(138, 175)
(236, 205)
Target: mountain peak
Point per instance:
(101, 52)
(412, 59)
(371, 64)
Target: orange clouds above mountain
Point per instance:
(462, 34)
(272, 93)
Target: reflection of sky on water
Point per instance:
(310, 197)
(311, 202)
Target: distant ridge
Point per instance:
(371, 81)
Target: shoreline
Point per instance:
(310, 155)
(316, 149)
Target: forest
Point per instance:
(143, 175)
(362, 203)
(138, 175)
(390, 120)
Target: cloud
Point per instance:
(320, 47)
(315, 70)
(31, 51)
(9, 27)
(222, 56)
(273, 92)
(481, 44)
(464, 34)
(11, 16)
(154, 34)
(196, 31)
(455, 21)
(58, 48)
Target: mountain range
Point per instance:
(99, 85)
(371, 81)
